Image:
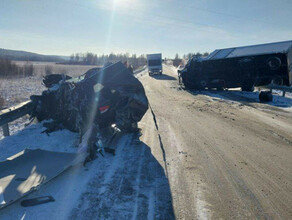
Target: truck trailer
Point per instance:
(154, 63)
(244, 67)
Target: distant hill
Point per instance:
(28, 56)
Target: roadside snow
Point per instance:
(66, 189)
(15, 126)
(173, 69)
(235, 96)
(131, 184)
(139, 70)
(32, 138)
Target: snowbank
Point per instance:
(32, 138)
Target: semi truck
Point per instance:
(154, 63)
(244, 67)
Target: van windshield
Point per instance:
(154, 62)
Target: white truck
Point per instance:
(154, 63)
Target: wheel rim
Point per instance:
(274, 63)
(203, 83)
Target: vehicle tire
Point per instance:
(277, 80)
(149, 73)
(265, 96)
(274, 63)
(202, 84)
(247, 86)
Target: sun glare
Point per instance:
(123, 3)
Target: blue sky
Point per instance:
(63, 27)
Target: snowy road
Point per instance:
(206, 155)
(227, 155)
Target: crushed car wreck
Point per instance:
(91, 103)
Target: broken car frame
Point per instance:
(88, 104)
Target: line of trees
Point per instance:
(181, 60)
(189, 55)
(8, 69)
(134, 60)
(94, 59)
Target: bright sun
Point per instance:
(123, 2)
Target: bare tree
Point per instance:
(76, 57)
(72, 58)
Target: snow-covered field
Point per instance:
(15, 91)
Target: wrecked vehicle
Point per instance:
(243, 67)
(92, 103)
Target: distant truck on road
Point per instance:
(154, 63)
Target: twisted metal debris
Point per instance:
(92, 102)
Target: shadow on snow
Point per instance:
(163, 77)
(134, 186)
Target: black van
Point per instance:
(243, 67)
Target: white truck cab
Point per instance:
(154, 63)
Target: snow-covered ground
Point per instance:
(236, 96)
(129, 185)
(32, 138)
(15, 91)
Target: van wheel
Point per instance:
(265, 96)
(274, 63)
(202, 84)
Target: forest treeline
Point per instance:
(99, 60)
(9, 69)
(94, 59)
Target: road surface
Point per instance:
(201, 155)
(224, 158)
